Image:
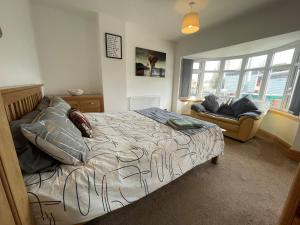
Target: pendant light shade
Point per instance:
(190, 23)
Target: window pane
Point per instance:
(194, 84)
(212, 65)
(276, 86)
(233, 64)
(230, 83)
(252, 83)
(210, 83)
(283, 57)
(256, 62)
(196, 65)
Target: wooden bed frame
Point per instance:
(14, 103)
(14, 204)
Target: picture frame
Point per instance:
(113, 46)
(150, 63)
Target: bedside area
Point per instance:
(86, 103)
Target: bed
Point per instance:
(129, 157)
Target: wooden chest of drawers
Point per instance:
(86, 103)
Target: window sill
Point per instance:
(284, 114)
(190, 99)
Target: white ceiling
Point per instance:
(163, 17)
(251, 47)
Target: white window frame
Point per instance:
(290, 85)
(223, 71)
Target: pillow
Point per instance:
(198, 108)
(31, 159)
(226, 109)
(243, 105)
(45, 102)
(60, 104)
(57, 136)
(81, 122)
(210, 103)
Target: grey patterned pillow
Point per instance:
(60, 104)
(56, 135)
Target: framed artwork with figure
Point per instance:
(150, 63)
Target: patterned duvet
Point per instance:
(129, 157)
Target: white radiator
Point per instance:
(142, 102)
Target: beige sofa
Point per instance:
(241, 129)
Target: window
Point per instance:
(196, 65)
(230, 78)
(233, 64)
(210, 83)
(212, 65)
(269, 76)
(257, 62)
(210, 77)
(283, 57)
(230, 84)
(194, 84)
(252, 83)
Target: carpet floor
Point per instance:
(247, 187)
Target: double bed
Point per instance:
(129, 156)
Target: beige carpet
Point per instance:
(247, 187)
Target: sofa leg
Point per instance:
(214, 160)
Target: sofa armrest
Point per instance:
(248, 127)
(254, 115)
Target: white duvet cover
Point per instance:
(130, 156)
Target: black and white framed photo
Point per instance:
(113, 45)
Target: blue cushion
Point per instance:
(198, 107)
(211, 104)
(243, 105)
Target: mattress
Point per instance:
(129, 157)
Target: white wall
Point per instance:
(67, 42)
(113, 71)
(18, 57)
(147, 86)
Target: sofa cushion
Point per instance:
(198, 107)
(226, 110)
(211, 104)
(243, 105)
(226, 123)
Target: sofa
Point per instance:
(242, 126)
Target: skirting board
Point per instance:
(284, 146)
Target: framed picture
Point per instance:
(113, 44)
(150, 63)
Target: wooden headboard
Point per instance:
(20, 100)
(14, 204)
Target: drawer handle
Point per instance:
(92, 103)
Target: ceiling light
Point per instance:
(190, 23)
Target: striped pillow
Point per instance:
(60, 104)
(57, 136)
